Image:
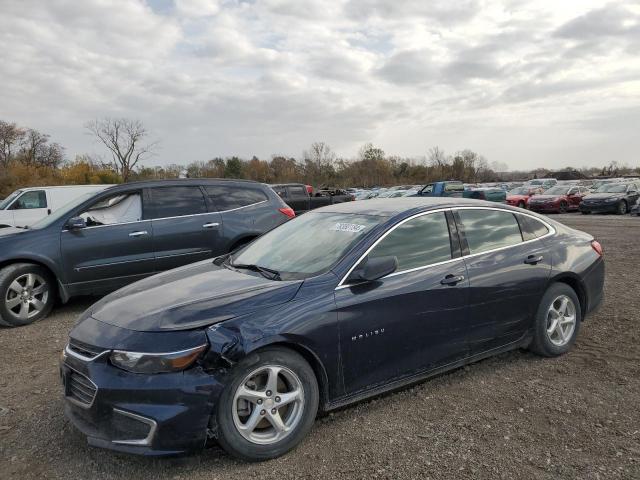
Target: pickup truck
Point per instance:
(454, 188)
(297, 196)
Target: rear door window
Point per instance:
(531, 228)
(177, 202)
(31, 200)
(227, 197)
(489, 229)
(418, 242)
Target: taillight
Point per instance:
(288, 211)
(597, 247)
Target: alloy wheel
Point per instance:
(27, 296)
(268, 405)
(561, 320)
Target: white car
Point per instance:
(26, 206)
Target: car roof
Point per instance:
(181, 182)
(388, 207)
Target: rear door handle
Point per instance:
(451, 279)
(211, 225)
(533, 259)
(139, 234)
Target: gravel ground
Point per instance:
(512, 416)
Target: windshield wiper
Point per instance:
(264, 271)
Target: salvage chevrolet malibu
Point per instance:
(340, 304)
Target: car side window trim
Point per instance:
(552, 231)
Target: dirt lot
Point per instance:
(514, 416)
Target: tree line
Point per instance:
(29, 158)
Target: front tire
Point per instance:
(27, 294)
(563, 207)
(268, 405)
(557, 321)
(521, 204)
(622, 208)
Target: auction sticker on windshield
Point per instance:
(348, 227)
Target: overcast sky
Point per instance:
(527, 83)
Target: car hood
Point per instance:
(517, 197)
(194, 296)
(603, 196)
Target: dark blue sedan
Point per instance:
(335, 306)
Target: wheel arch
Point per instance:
(60, 289)
(312, 359)
(573, 281)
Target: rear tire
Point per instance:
(248, 397)
(557, 321)
(27, 294)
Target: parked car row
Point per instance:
(610, 197)
(102, 241)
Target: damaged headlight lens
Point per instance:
(138, 362)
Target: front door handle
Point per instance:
(533, 259)
(139, 234)
(451, 279)
(211, 225)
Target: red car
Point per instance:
(519, 197)
(560, 199)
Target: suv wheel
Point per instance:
(26, 294)
(268, 406)
(557, 321)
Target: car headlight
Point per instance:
(139, 362)
(611, 200)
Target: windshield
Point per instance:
(557, 191)
(62, 211)
(307, 245)
(612, 188)
(7, 201)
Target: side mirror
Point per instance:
(76, 223)
(373, 269)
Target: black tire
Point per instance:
(228, 435)
(8, 275)
(622, 208)
(584, 212)
(542, 344)
(521, 204)
(563, 207)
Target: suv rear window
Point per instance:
(177, 202)
(489, 229)
(226, 197)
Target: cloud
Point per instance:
(224, 77)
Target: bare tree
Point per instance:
(37, 151)
(124, 138)
(10, 135)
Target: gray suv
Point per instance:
(101, 242)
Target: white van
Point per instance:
(26, 206)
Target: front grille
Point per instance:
(84, 349)
(80, 388)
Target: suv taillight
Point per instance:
(597, 247)
(288, 211)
